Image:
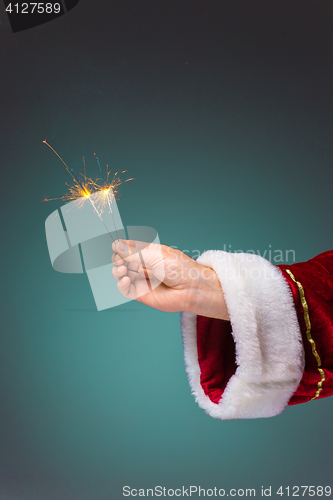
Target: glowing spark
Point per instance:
(87, 195)
(82, 190)
(54, 151)
(106, 191)
(85, 192)
(91, 186)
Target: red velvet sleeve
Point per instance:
(311, 284)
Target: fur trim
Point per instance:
(269, 348)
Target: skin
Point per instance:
(181, 283)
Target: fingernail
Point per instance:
(121, 246)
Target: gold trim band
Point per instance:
(308, 332)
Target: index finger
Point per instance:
(132, 245)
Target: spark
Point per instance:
(82, 189)
(54, 151)
(87, 195)
(86, 192)
(103, 195)
(106, 191)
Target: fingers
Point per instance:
(147, 255)
(126, 288)
(130, 290)
(132, 271)
(119, 272)
(138, 267)
(128, 250)
(135, 244)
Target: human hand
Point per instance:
(167, 279)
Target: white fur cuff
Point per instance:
(269, 349)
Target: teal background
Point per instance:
(222, 111)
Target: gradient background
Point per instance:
(222, 111)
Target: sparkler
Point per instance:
(82, 190)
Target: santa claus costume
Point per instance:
(277, 349)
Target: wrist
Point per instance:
(206, 295)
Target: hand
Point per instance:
(167, 279)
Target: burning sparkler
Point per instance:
(87, 186)
(82, 190)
